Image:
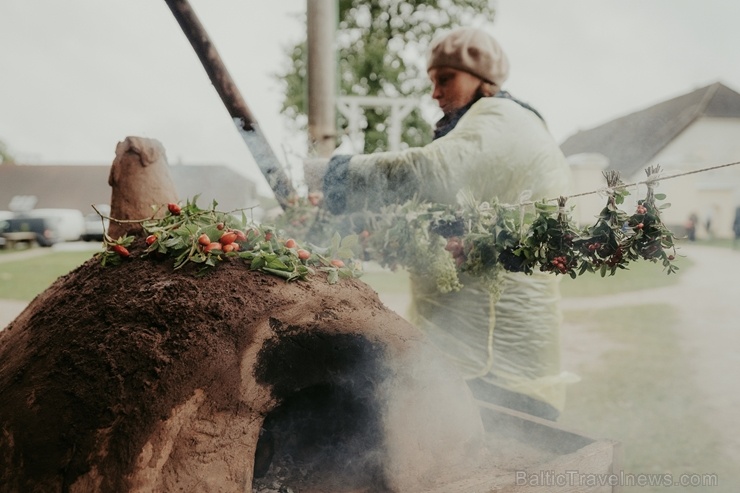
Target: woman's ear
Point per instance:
(487, 89)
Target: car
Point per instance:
(45, 233)
(68, 224)
(96, 223)
(4, 215)
(95, 227)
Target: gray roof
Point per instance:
(78, 187)
(630, 142)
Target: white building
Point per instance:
(690, 132)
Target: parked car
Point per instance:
(42, 227)
(3, 216)
(95, 225)
(68, 224)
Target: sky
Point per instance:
(77, 77)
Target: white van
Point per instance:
(68, 224)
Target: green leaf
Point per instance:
(258, 263)
(276, 263)
(174, 243)
(335, 241)
(345, 253)
(281, 273)
(659, 196)
(349, 242)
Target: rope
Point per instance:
(650, 180)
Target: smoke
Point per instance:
(433, 430)
(363, 418)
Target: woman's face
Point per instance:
(453, 89)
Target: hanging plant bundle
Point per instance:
(551, 240)
(601, 245)
(651, 239)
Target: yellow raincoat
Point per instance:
(498, 149)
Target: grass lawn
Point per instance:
(640, 392)
(24, 279)
(388, 282)
(640, 275)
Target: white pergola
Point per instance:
(353, 108)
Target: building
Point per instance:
(690, 132)
(81, 187)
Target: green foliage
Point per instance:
(483, 239)
(5, 156)
(381, 52)
(189, 234)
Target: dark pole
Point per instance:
(245, 122)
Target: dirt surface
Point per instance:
(139, 378)
(127, 375)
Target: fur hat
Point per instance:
(470, 50)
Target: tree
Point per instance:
(5, 156)
(381, 51)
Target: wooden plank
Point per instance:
(580, 464)
(545, 434)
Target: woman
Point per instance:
(492, 146)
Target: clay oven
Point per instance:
(141, 378)
(138, 378)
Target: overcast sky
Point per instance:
(78, 76)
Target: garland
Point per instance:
(207, 237)
(483, 239)
(439, 242)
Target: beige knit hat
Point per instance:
(470, 50)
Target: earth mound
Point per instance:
(141, 378)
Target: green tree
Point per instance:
(5, 156)
(381, 52)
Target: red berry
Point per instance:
(151, 239)
(240, 236)
(268, 236)
(314, 198)
(640, 226)
(304, 254)
(220, 226)
(174, 209)
(337, 263)
(204, 240)
(229, 247)
(121, 250)
(290, 243)
(213, 246)
(227, 238)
